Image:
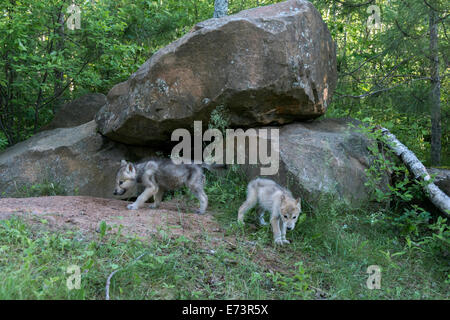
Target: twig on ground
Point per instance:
(108, 281)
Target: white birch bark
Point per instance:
(436, 195)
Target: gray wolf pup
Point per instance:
(158, 175)
(279, 201)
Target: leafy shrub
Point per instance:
(404, 194)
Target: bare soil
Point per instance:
(175, 217)
(86, 214)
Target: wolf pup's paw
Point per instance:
(262, 221)
(132, 206)
(153, 206)
(279, 241)
(198, 211)
(286, 241)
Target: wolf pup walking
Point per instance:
(158, 175)
(279, 201)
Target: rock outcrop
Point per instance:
(442, 179)
(325, 158)
(78, 160)
(77, 112)
(268, 65)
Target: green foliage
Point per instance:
(164, 268)
(327, 258)
(225, 190)
(412, 220)
(334, 244)
(404, 196)
(45, 188)
(440, 237)
(3, 141)
(116, 37)
(219, 119)
(298, 283)
(385, 74)
(384, 163)
(330, 248)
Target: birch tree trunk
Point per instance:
(220, 8)
(436, 195)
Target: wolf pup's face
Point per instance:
(125, 178)
(290, 210)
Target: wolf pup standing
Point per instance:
(279, 201)
(157, 176)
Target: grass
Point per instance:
(45, 188)
(336, 245)
(328, 258)
(37, 260)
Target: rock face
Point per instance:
(442, 179)
(268, 65)
(322, 158)
(78, 111)
(78, 159)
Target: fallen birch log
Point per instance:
(436, 195)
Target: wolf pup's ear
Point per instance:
(282, 198)
(130, 168)
(299, 203)
(123, 162)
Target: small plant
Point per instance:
(298, 283)
(402, 190)
(439, 240)
(412, 220)
(219, 119)
(3, 142)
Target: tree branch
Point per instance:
(436, 195)
(108, 281)
(431, 7)
(354, 5)
(65, 87)
(381, 90)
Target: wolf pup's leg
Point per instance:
(250, 202)
(283, 232)
(195, 184)
(275, 218)
(148, 192)
(151, 187)
(261, 212)
(157, 199)
(274, 221)
(202, 197)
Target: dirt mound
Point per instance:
(86, 214)
(175, 217)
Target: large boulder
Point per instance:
(78, 160)
(77, 112)
(442, 179)
(267, 65)
(324, 159)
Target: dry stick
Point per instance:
(108, 281)
(436, 195)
